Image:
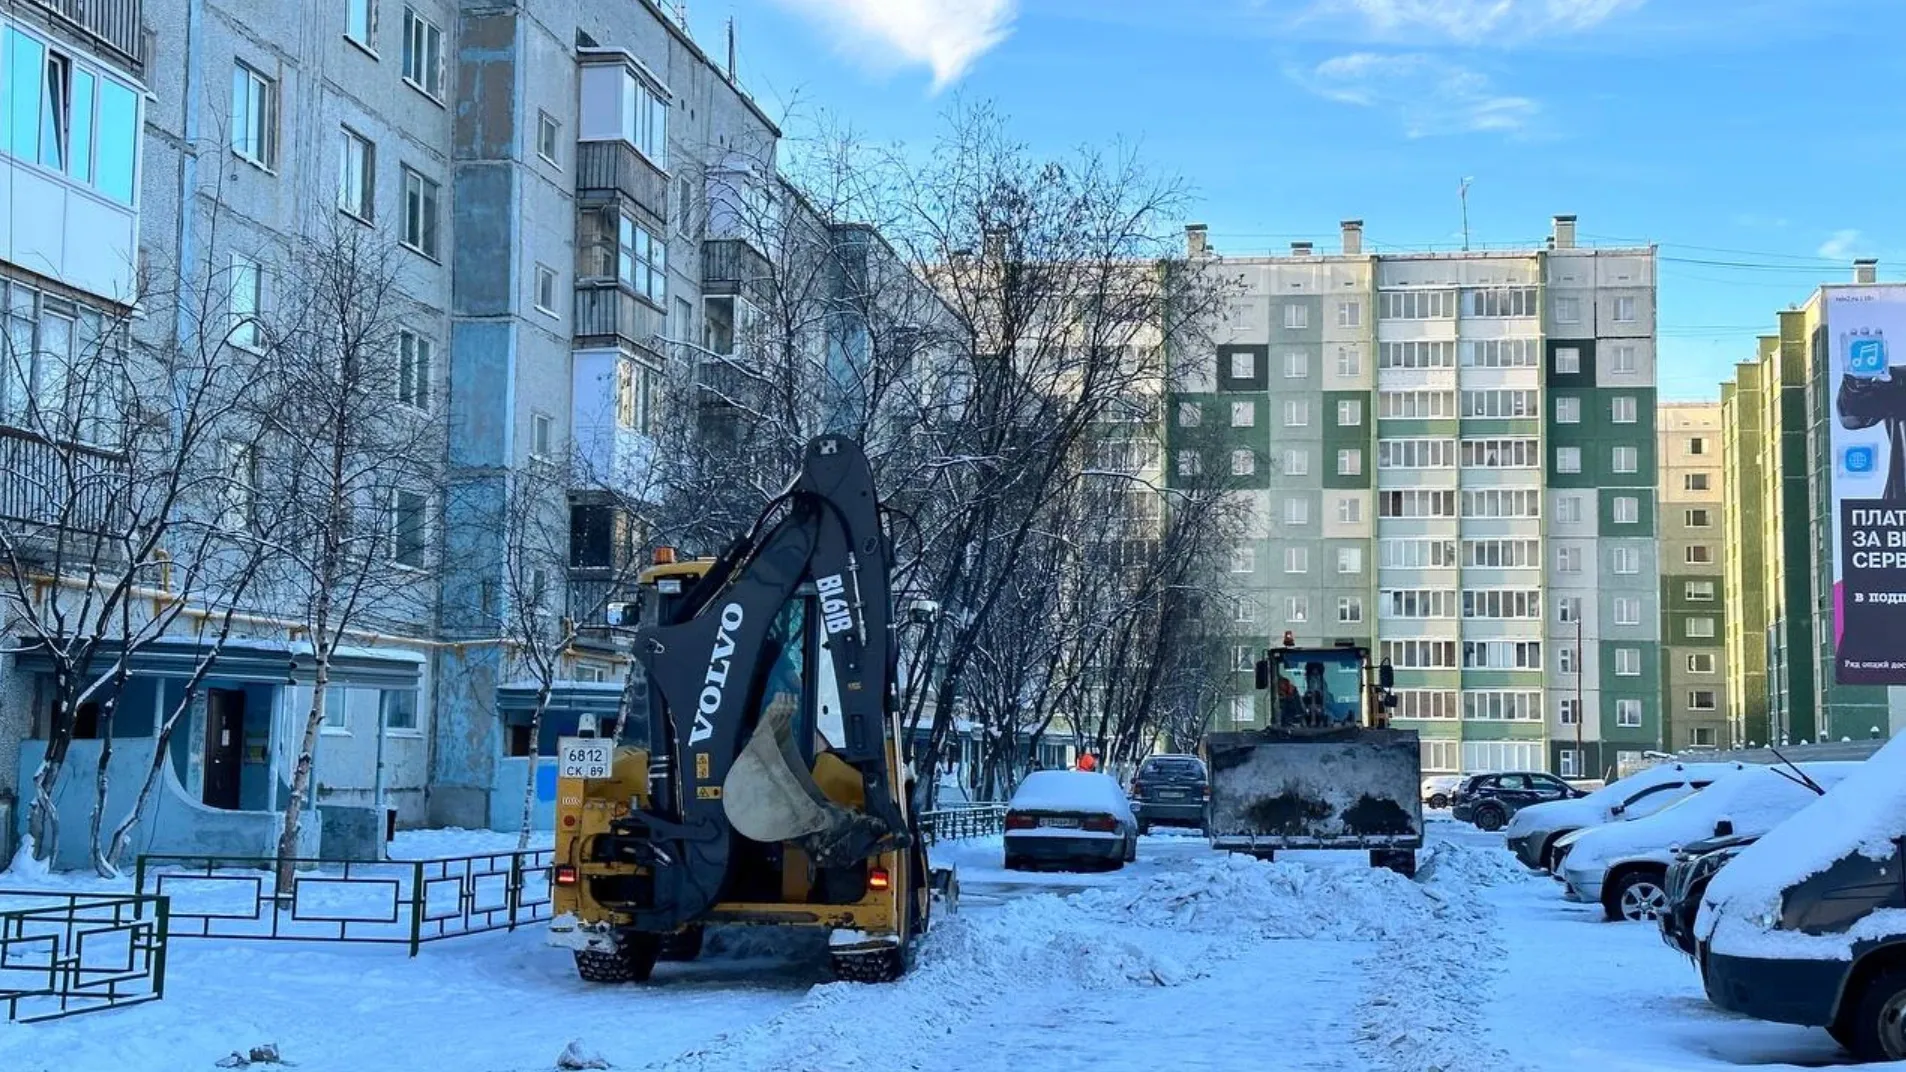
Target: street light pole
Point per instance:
(1581, 712)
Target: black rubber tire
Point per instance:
(632, 962)
(879, 966)
(1144, 828)
(1875, 1025)
(1015, 863)
(1439, 800)
(685, 944)
(1131, 850)
(1612, 895)
(1842, 1035)
(1490, 819)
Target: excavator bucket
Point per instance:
(769, 797)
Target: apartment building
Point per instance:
(1451, 457)
(1694, 616)
(1779, 511)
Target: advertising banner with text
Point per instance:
(1866, 376)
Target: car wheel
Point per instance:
(1876, 1031)
(1490, 819)
(1015, 863)
(1144, 828)
(1131, 849)
(1636, 896)
(1439, 800)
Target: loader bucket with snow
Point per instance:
(770, 797)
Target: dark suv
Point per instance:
(1170, 791)
(1489, 799)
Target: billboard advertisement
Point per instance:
(1866, 381)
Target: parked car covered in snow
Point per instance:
(1070, 820)
(1694, 867)
(1437, 789)
(1808, 924)
(1624, 866)
(1489, 800)
(1534, 830)
(1171, 790)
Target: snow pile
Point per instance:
(1239, 896)
(1863, 815)
(1451, 864)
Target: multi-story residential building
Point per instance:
(1452, 458)
(1779, 506)
(1694, 614)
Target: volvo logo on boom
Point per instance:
(717, 679)
(834, 610)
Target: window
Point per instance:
(1627, 510)
(1426, 704)
(1568, 359)
(1190, 415)
(1624, 459)
(420, 214)
(254, 117)
(1296, 462)
(1500, 302)
(246, 305)
(337, 710)
(1296, 412)
(1405, 504)
(1498, 403)
(1568, 410)
(1296, 511)
(1501, 705)
(1441, 756)
(1243, 658)
(1416, 603)
(1416, 454)
(1568, 560)
(1242, 610)
(642, 261)
(1416, 553)
(1416, 355)
(635, 396)
(1502, 554)
(1701, 700)
(1701, 736)
(1623, 360)
(684, 207)
(1296, 317)
(1349, 560)
(1296, 365)
(409, 526)
(1349, 362)
(1243, 463)
(1568, 609)
(1243, 366)
(1697, 445)
(1621, 409)
(423, 54)
(1349, 609)
(1568, 510)
(1502, 604)
(360, 20)
(1565, 659)
(1627, 610)
(1701, 662)
(1297, 609)
(357, 176)
(548, 135)
(541, 435)
(414, 353)
(1243, 709)
(1568, 711)
(1568, 311)
(1350, 413)
(1569, 762)
(1700, 519)
(1503, 502)
(546, 289)
(1243, 414)
(1699, 591)
(1350, 510)
(241, 487)
(1501, 454)
(1700, 554)
(1416, 305)
(1243, 560)
(1628, 662)
(1502, 353)
(1626, 560)
(1700, 628)
(1349, 314)
(1624, 310)
(1349, 463)
(1568, 459)
(1419, 654)
(1628, 713)
(399, 709)
(1695, 482)
(1416, 405)
(1188, 463)
(1502, 655)
(1296, 560)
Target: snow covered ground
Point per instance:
(1185, 960)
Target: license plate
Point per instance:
(1059, 822)
(583, 757)
(1171, 794)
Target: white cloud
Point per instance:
(1474, 21)
(1430, 95)
(946, 36)
(1841, 244)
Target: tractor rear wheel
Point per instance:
(632, 961)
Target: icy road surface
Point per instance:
(1185, 960)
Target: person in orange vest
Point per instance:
(1088, 762)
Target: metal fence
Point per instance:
(970, 821)
(396, 902)
(62, 954)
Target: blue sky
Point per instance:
(1761, 143)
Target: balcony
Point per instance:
(610, 169)
(732, 266)
(113, 25)
(50, 492)
(606, 313)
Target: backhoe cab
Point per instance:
(762, 781)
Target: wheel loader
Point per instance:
(760, 778)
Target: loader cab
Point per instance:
(1324, 688)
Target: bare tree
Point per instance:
(353, 461)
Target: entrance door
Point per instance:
(224, 746)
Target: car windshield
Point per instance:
(1174, 767)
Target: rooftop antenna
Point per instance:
(731, 48)
(1463, 193)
